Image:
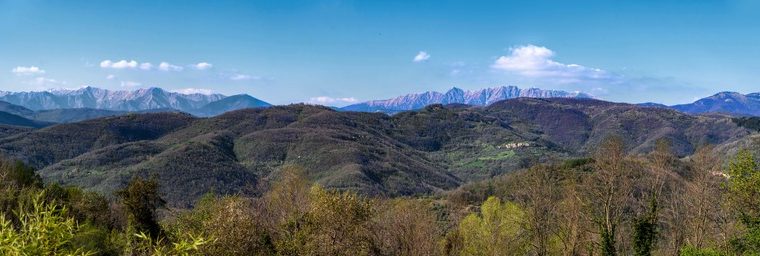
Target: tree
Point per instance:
(336, 223)
(498, 230)
(609, 189)
(15, 174)
(744, 197)
(233, 224)
(705, 218)
(541, 196)
(141, 200)
(405, 227)
(645, 230)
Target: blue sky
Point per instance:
(338, 52)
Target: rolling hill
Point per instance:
(417, 152)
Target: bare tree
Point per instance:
(608, 189)
(541, 195)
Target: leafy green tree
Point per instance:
(141, 200)
(16, 174)
(744, 197)
(498, 230)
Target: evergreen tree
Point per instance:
(141, 200)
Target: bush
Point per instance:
(44, 230)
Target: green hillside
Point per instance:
(411, 153)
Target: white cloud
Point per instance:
(194, 91)
(146, 66)
(165, 66)
(122, 64)
(24, 71)
(325, 100)
(203, 66)
(43, 81)
(421, 56)
(130, 84)
(110, 77)
(536, 62)
(243, 77)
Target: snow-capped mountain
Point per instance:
(96, 98)
(480, 97)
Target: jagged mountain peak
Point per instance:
(142, 99)
(455, 95)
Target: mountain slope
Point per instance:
(724, 102)
(481, 97)
(15, 120)
(15, 109)
(70, 115)
(417, 152)
(235, 102)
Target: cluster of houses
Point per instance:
(514, 145)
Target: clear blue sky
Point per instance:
(336, 52)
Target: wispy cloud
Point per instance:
(325, 100)
(203, 66)
(146, 66)
(166, 66)
(421, 56)
(133, 64)
(25, 71)
(130, 84)
(110, 77)
(536, 62)
(194, 91)
(243, 77)
(45, 82)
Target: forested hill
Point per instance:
(433, 149)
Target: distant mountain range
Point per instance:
(39, 109)
(482, 97)
(128, 101)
